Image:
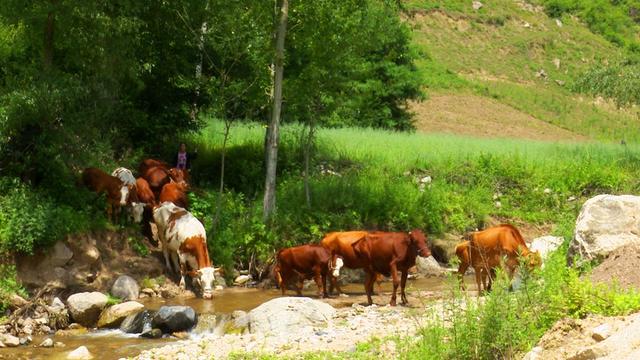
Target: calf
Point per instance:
(388, 252)
(184, 239)
(175, 193)
(116, 191)
(305, 261)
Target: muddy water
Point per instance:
(113, 344)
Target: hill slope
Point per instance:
(512, 52)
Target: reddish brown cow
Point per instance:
(116, 191)
(342, 254)
(175, 193)
(305, 261)
(485, 249)
(388, 252)
(179, 176)
(144, 192)
(147, 164)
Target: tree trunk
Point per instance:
(227, 128)
(272, 130)
(194, 106)
(47, 55)
(308, 148)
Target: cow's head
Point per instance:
(137, 209)
(178, 176)
(205, 278)
(419, 239)
(534, 260)
(124, 194)
(336, 264)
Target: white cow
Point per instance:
(126, 176)
(184, 240)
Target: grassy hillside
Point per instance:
(497, 52)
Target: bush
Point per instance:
(30, 220)
(8, 283)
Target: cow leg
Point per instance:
(403, 283)
(478, 272)
(176, 265)
(368, 285)
(396, 283)
(317, 276)
(335, 284)
(462, 268)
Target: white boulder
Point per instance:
(287, 315)
(605, 223)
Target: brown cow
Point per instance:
(144, 192)
(305, 261)
(388, 252)
(146, 164)
(116, 191)
(175, 193)
(486, 248)
(342, 254)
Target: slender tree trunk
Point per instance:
(272, 130)
(47, 56)
(227, 129)
(194, 106)
(308, 148)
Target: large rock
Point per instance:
(546, 244)
(9, 340)
(85, 307)
(125, 288)
(174, 318)
(137, 323)
(605, 223)
(81, 353)
(113, 316)
(288, 314)
(429, 266)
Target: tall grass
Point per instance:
(365, 178)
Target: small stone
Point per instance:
(547, 191)
(426, 180)
(560, 82)
(59, 344)
(219, 287)
(152, 334)
(149, 292)
(80, 353)
(541, 73)
(526, 25)
(48, 342)
(558, 22)
(75, 326)
(241, 279)
(2, 345)
(601, 332)
(571, 198)
(477, 5)
(498, 204)
(57, 305)
(181, 335)
(556, 62)
(26, 340)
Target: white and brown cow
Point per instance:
(184, 239)
(136, 206)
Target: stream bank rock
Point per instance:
(605, 223)
(113, 316)
(429, 267)
(81, 353)
(137, 323)
(126, 288)
(289, 314)
(85, 307)
(546, 244)
(172, 319)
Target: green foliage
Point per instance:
(620, 82)
(30, 220)
(507, 323)
(113, 300)
(138, 246)
(8, 284)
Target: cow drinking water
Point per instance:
(184, 239)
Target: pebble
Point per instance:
(48, 342)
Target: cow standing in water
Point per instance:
(184, 240)
(340, 246)
(305, 261)
(387, 253)
(484, 249)
(116, 190)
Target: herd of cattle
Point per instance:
(158, 195)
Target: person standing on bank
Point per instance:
(184, 158)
